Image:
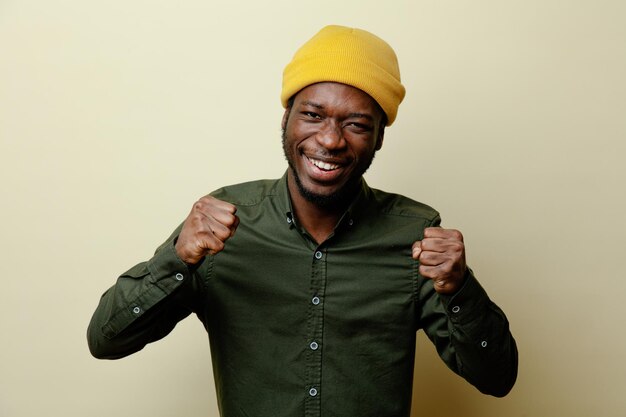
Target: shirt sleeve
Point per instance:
(144, 305)
(471, 334)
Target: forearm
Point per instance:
(472, 336)
(143, 306)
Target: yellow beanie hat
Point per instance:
(349, 56)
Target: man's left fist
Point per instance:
(441, 254)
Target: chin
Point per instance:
(336, 198)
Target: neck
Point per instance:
(319, 221)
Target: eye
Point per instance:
(311, 115)
(359, 127)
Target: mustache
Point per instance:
(320, 153)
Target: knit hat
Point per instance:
(349, 56)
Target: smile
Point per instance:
(324, 166)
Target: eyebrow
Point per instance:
(312, 104)
(351, 115)
(361, 115)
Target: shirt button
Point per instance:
(179, 276)
(350, 222)
(312, 392)
(289, 220)
(318, 255)
(315, 300)
(136, 310)
(456, 309)
(313, 345)
(483, 343)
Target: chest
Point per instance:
(355, 279)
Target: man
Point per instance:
(312, 287)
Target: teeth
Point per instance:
(323, 165)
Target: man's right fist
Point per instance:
(210, 223)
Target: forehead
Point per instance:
(335, 96)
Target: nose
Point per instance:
(330, 136)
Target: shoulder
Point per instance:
(247, 193)
(392, 204)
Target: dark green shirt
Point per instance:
(301, 329)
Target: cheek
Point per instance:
(364, 148)
(291, 143)
(303, 131)
(297, 137)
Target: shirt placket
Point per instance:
(315, 334)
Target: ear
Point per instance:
(286, 114)
(381, 136)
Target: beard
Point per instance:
(336, 200)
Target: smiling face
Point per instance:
(330, 135)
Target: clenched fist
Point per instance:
(441, 254)
(210, 223)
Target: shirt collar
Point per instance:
(283, 201)
(350, 216)
(357, 207)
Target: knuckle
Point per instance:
(231, 208)
(216, 247)
(204, 235)
(201, 204)
(428, 272)
(221, 233)
(457, 235)
(434, 274)
(458, 246)
(423, 270)
(446, 268)
(229, 220)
